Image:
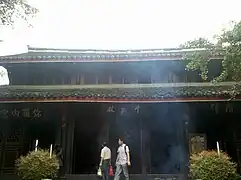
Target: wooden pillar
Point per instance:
(67, 138)
(73, 80)
(110, 79)
(145, 115)
(63, 81)
(142, 144)
(96, 80)
(63, 134)
(82, 79)
(123, 81)
(54, 81)
(69, 145)
(184, 138)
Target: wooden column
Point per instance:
(67, 138)
(142, 141)
(63, 134)
(184, 138)
(96, 80)
(110, 79)
(144, 116)
(82, 79)
(69, 145)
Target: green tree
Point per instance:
(11, 10)
(227, 46)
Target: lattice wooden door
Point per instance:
(9, 148)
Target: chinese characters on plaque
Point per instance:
(217, 107)
(123, 110)
(111, 109)
(21, 113)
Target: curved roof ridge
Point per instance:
(36, 54)
(162, 50)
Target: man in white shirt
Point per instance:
(122, 160)
(105, 161)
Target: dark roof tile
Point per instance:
(134, 93)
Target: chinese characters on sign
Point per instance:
(137, 109)
(217, 107)
(15, 113)
(18, 113)
(111, 109)
(37, 113)
(26, 113)
(229, 108)
(123, 110)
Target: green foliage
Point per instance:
(207, 165)
(228, 46)
(37, 166)
(197, 43)
(12, 9)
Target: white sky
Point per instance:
(123, 24)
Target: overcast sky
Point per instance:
(123, 24)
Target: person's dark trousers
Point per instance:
(105, 169)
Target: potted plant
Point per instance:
(209, 165)
(37, 165)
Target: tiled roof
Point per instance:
(60, 55)
(117, 92)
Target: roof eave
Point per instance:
(179, 92)
(89, 55)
